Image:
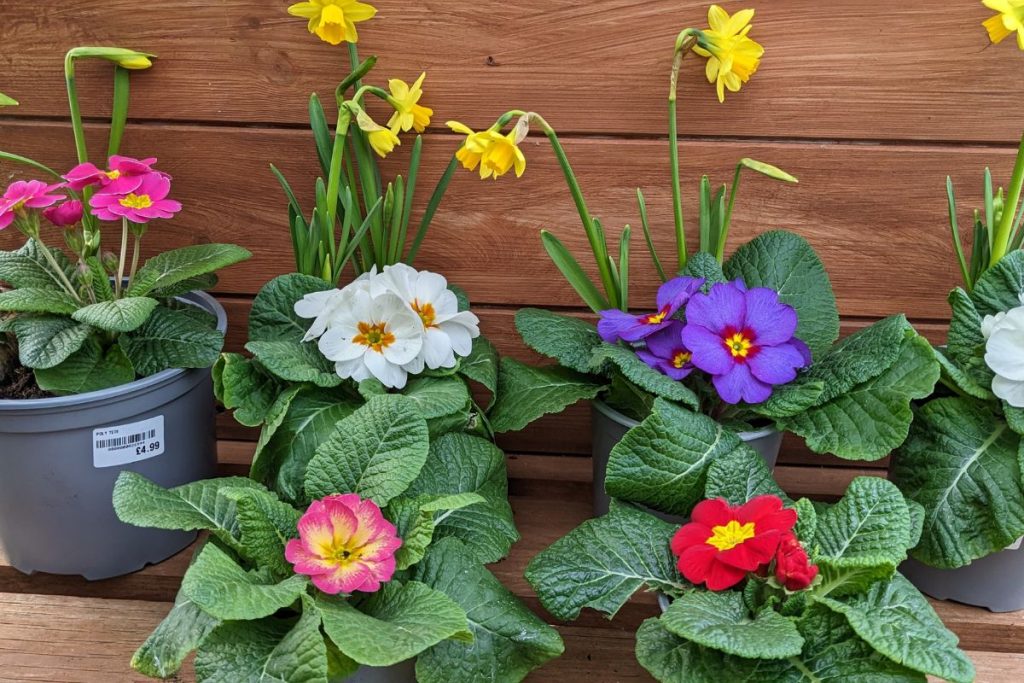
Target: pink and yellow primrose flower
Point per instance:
(64, 215)
(148, 200)
(125, 175)
(344, 545)
(26, 194)
(618, 325)
(334, 20)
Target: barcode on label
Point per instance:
(130, 440)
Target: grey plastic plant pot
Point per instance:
(60, 457)
(609, 426)
(403, 672)
(995, 582)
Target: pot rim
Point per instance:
(139, 386)
(629, 422)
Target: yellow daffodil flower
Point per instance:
(502, 155)
(732, 56)
(382, 140)
(334, 20)
(409, 113)
(472, 151)
(1010, 20)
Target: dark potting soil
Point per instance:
(20, 383)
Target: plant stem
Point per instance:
(136, 249)
(334, 178)
(57, 269)
(1001, 242)
(120, 265)
(720, 254)
(683, 45)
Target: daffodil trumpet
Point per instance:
(996, 230)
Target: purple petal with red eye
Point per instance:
(667, 342)
(722, 308)
(740, 385)
(776, 364)
(666, 367)
(709, 351)
(773, 321)
(674, 294)
(616, 325)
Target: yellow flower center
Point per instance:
(113, 175)
(681, 359)
(136, 201)
(374, 336)
(739, 345)
(426, 312)
(731, 535)
(657, 318)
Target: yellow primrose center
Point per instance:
(334, 21)
(681, 359)
(374, 335)
(656, 318)
(136, 201)
(739, 345)
(113, 175)
(426, 312)
(343, 552)
(731, 535)
(1010, 20)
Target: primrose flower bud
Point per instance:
(110, 262)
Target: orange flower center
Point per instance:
(731, 535)
(375, 336)
(136, 201)
(426, 312)
(681, 359)
(739, 344)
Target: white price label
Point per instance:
(124, 444)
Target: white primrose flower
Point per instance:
(447, 332)
(324, 306)
(373, 337)
(1004, 353)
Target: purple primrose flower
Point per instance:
(617, 325)
(666, 353)
(744, 340)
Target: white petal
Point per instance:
(437, 350)
(415, 366)
(446, 305)
(461, 337)
(989, 324)
(1004, 350)
(1009, 390)
(429, 287)
(390, 375)
(353, 369)
(311, 305)
(337, 345)
(404, 349)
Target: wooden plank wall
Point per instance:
(870, 103)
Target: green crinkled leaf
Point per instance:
(269, 650)
(46, 341)
(740, 475)
(896, 620)
(295, 362)
(965, 342)
(437, 397)
(243, 385)
(223, 589)
(183, 630)
(172, 267)
(481, 365)
(704, 265)
(670, 659)
(954, 375)
(171, 339)
(88, 369)
(265, 525)
(394, 624)
(119, 315)
(961, 463)
(414, 519)
(300, 421)
(999, 288)
(917, 514)
(28, 268)
(863, 537)
(199, 283)
(192, 507)
(377, 451)
(791, 399)
(569, 340)
(526, 393)
(1014, 418)
(462, 463)
(601, 563)
(786, 263)
(663, 462)
(721, 621)
(99, 282)
(642, 375)
(273, 317)
(871, 418)
(509, 640)
(806, 522)
(38, 300)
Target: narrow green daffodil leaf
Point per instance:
(768, 170)
(573, 272)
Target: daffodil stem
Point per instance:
(727, 221)
(1002, 239)
(594, 235)
(334, 177)
(119, 282)
(76, 111)
(684, 43)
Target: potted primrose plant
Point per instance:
(962, 459)
(369, 427)
(757, 586)
(105, 359)
(748, 340)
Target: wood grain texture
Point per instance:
(866, 69)
(876, 215)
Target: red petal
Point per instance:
(752, 553)
(783, 520)
(695, 562)
(712, 512)
(722, 576)
(758, 508)
(689, 535)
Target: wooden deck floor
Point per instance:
(69, 630)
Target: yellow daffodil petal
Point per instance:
(359, 11)
(717, 18)
(459, 127)
(306, 10)
(1009, 20)
(334, 21)
(399, 88)
(383, 141)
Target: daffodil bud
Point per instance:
(768, 170)
(127, 59)
(6, 101)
